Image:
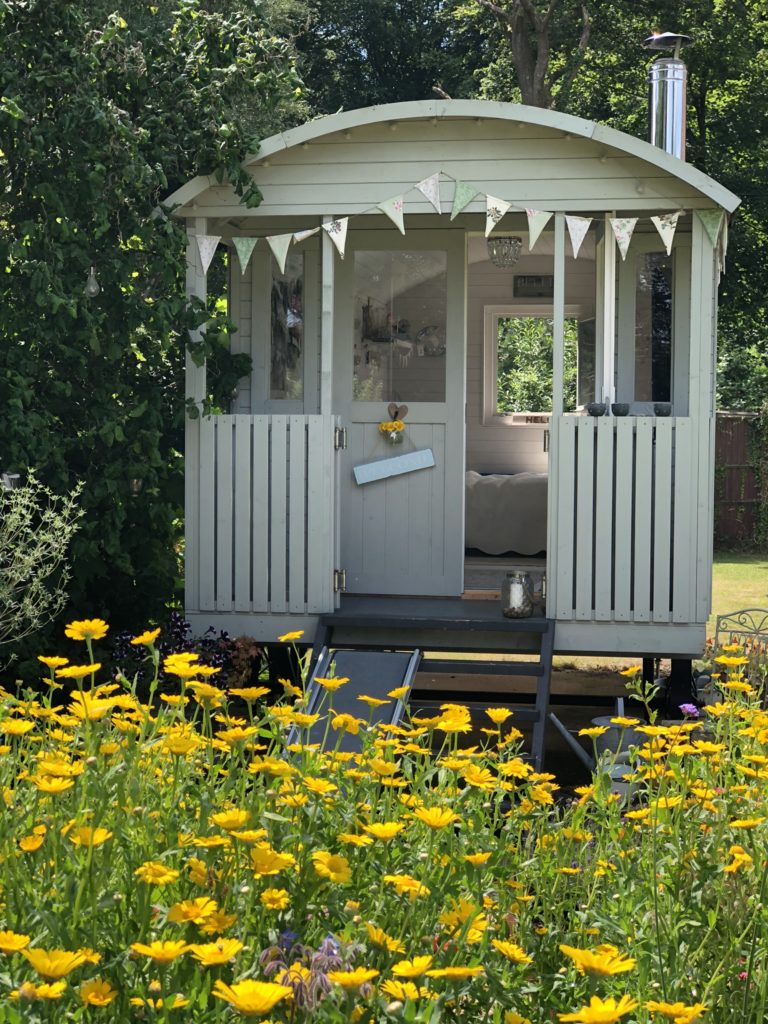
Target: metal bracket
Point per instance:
(339, 438)
(339, 581)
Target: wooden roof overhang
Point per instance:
(190, 200)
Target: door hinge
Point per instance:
(339, 581)
(546, 440)
(339, 438)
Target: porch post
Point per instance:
(558, 316)
(195, 387)
(608, 315)
(326, 322)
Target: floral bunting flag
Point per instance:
(494, 211)
(712, 221)
(537, 221)
(666, 224)
(622, 229)
(394, 210)
(244, 248)
(300, 236)
(577, 229)
(462, 196)
(206, 246)
(723, 245)
(337, 232)
(430, 187)
(280, 244)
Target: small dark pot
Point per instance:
(662, 408)
(596, 408)
(620, 408)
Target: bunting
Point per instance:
(494, 212)
(430, 187)
(537, 221)
(206, 246)
(622, 229)
(712, 221)
(337, 232)
(577, 229)
(463, 195)
(394, 210)
(279, 244)
(244, 248)
(666, 225)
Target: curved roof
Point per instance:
(391, 113)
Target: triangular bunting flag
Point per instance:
(206, 246)
(537, 221)
(394, 210)
(712, 221)
(430, 187)
(622, 229)
(244, 248)
(300, 236)
(494, 211)
(280, 244)
(462, 196)
(666, 225)
(337, 232)
(577, 229)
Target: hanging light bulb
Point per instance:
(92, 286)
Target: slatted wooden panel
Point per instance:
(625, 541)
(266, 514)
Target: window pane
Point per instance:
(653, 328)
(524, 364)
(287, 356)
(400, 326)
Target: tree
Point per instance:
(102, 114)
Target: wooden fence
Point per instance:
(625, 519)
(737, 496)
(266, 486)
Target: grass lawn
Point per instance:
(738, 581)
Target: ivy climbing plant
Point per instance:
(103, 112)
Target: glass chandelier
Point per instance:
(504, 251)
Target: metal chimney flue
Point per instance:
(667, 88)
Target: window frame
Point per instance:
(491, 316)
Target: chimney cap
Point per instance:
(667, 41)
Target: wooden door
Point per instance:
(400, 338)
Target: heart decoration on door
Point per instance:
(397, 412)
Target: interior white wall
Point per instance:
(503, 448)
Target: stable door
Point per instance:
(399, 360)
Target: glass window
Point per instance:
(287, 333)
(523, 361)
(400, 326)
(653, 328)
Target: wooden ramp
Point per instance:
(376, 626)
(370, 673)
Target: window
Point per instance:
(518, 361)
(401, 301)
(653, 328)
(287, 330)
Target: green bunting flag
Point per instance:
(712, 221)
(462, 196)
(244, 248)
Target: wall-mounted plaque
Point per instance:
(533, 286)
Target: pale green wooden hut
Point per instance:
(300, 509)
